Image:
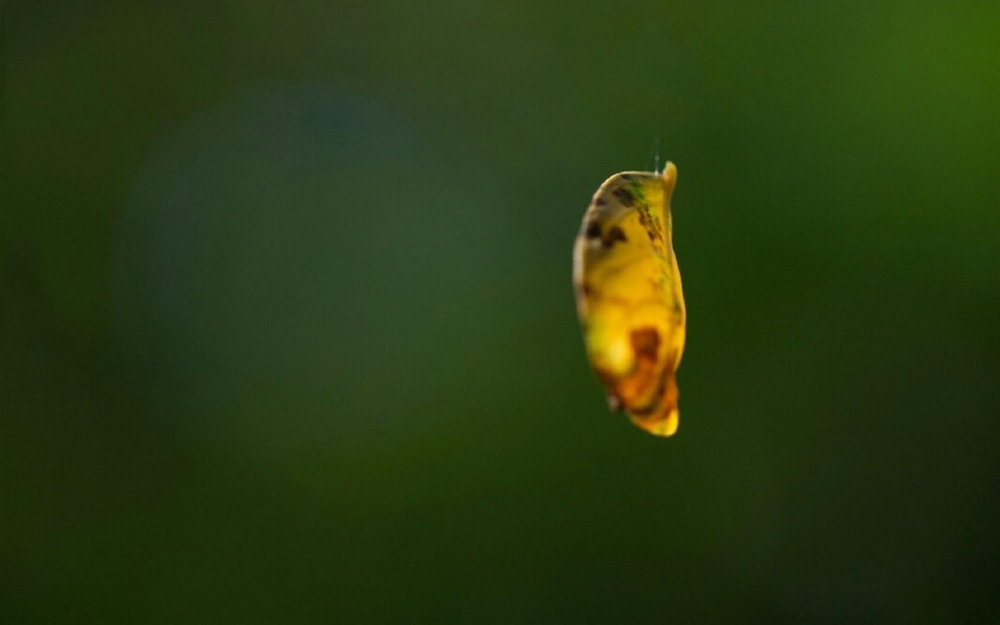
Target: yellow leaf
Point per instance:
(629, 298)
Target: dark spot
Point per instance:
(650, 408)
(599, 201)
(624, 196)
(655, 404)
(628, 177)
(614, 235)
(650, 223)
(666, 391)
(593, 230)
(645, 342)
(587, 290)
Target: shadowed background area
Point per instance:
(287, 331)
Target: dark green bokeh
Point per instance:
(287, 332)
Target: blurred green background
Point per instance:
(287, 331)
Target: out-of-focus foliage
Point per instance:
(287, 331)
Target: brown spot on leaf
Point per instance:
(616, 234)
(624, 196)
(636, 389)
(651, 224)
(645, 342)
